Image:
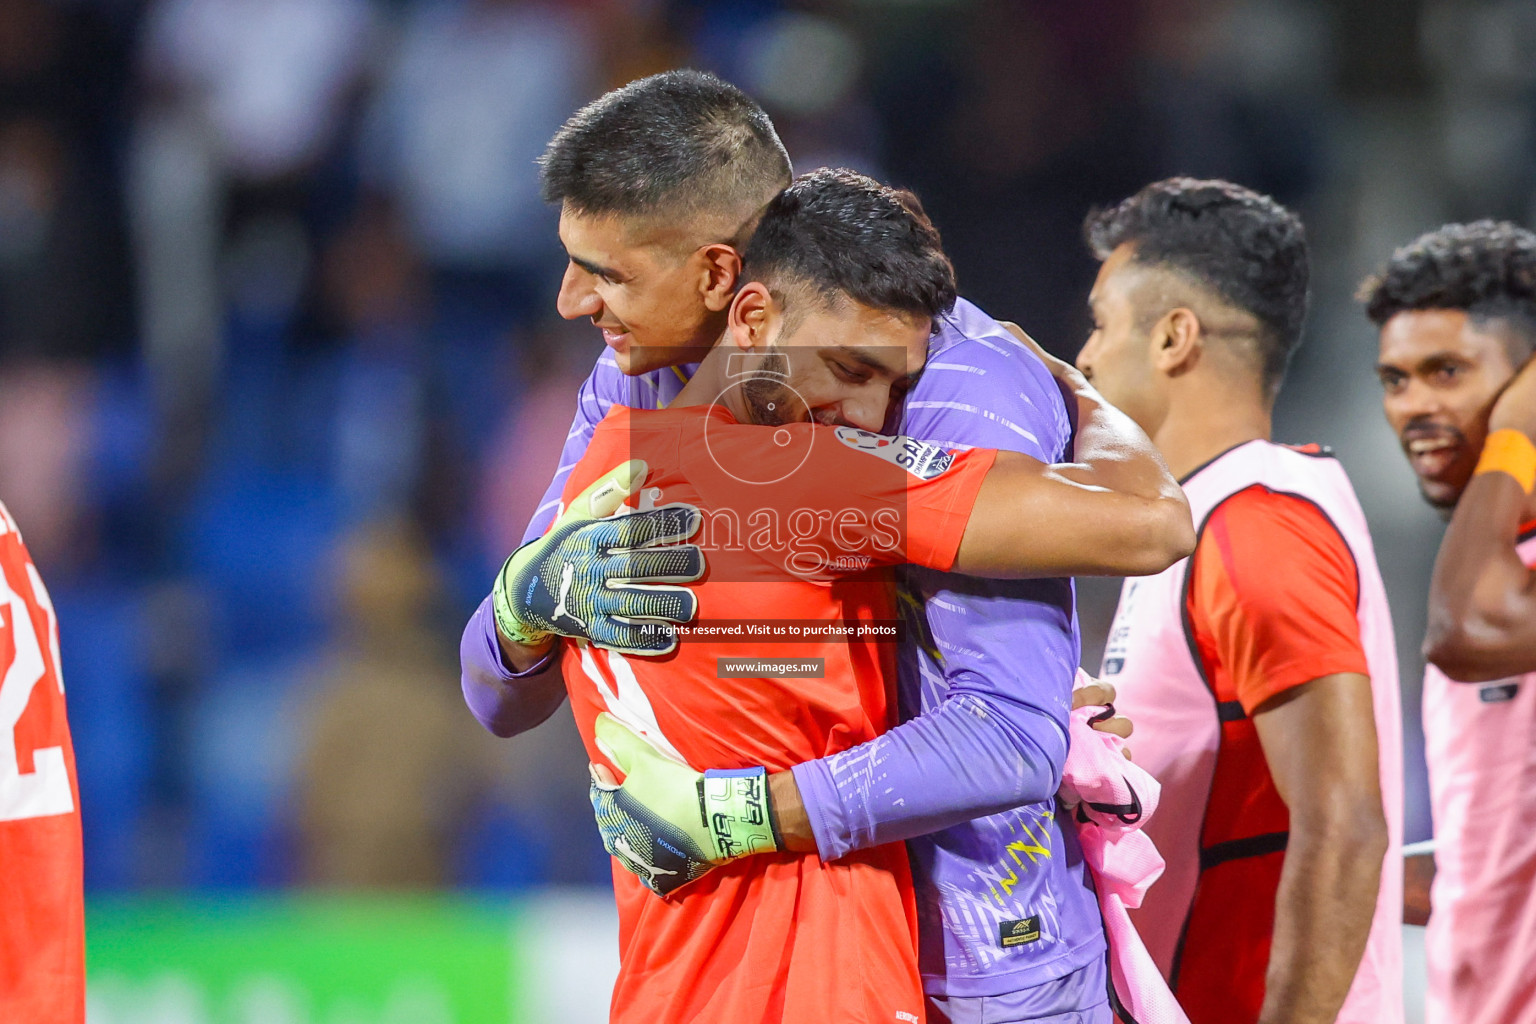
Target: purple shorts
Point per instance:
(1081, 997)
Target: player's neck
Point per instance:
(1200, 426)
(710, 384)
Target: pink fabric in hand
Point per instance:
(1109, 798)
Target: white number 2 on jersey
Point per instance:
(45, 790)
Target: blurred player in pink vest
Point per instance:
(1457, 312)
(1261, 671)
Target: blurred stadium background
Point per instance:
(280, 382)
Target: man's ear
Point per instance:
(719, 270)
(1177, 342)
(752, 314)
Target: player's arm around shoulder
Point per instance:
(508, 689)
(1115, 510)
(1482, 599)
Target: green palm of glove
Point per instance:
(668, 824)
(596, 575)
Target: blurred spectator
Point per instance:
(376, 288)
(56, 285)
(62, 274)
(246, 101)
(1486, 81)
(388, 760)
(1009, 134)
(45, 437)
(636, 38)
(1234, 89)
(270, 79)
(473, 92)
(807, 69)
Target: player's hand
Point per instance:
(597, 575)
(1516, 405)
(1088, 691)
(669, 824)
(1063, 371)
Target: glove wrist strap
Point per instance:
(511, 626)
(733, 808)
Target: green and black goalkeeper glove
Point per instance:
(669, 824)
(596, 575)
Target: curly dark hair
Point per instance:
(1486, 268)
(1244, 246)
(678, 141)
(839, 233)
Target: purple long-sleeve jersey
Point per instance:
(969, 776)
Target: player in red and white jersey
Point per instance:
(798, 519)
(1457, 312)
(781, 937)
(1260, 672)
(42, 900)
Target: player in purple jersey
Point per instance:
(987, 693)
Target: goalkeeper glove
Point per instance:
(583, 577)
(669, 824)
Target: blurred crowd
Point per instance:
(281, 380)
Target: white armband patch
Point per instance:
(920, 458)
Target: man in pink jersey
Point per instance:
(1261, 671)
(1457, 312)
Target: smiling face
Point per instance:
(1440, 372)
(657, 302)
(843, 364)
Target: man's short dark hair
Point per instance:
(678, 142)
(1486, 269)
(1244, 246)
(837, 234)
